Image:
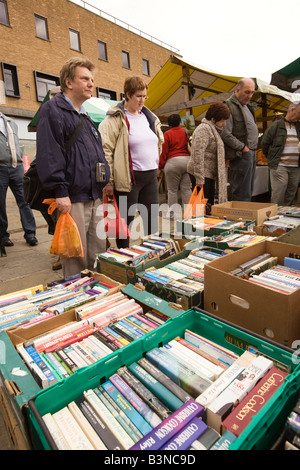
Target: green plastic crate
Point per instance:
(228, 335)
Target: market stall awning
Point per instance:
(288, 78)
(95, 107)
(184, 88)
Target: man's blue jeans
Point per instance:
(13, 178)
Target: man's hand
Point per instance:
(245, 149)
(108, 190)
(63, 204)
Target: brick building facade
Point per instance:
(38, 36)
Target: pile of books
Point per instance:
(27, 307)
(183, 395)
(264, 270)
(105, 325)
(290, 211)
(280, 224)
(292, 429)
(151, 247)
(238, 239)
(205, 224)
(185, 275)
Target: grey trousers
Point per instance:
(284, 184)
(89, 219)
(178, 178)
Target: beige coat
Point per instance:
(114, 134)
(208, 157)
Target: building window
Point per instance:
(106, 94)
(44, 83)
(102, 50)
(74, 40)
(125, 60)
(11, 82)
(4, 13)
(146, 70)
(41, 27)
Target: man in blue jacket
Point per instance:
(71, 175)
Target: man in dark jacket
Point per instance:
(240, 137)
(71, 175)
(280, 144)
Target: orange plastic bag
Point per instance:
(66, 241)
(197, 203)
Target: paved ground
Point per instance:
(26, 266)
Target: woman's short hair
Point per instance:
(218, 111)
(132, 85)
(174, 120)
(68, 70)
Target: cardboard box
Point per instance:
(125, 273)
(292, 237)
(234, 210)
(264, 311)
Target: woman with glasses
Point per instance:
(132, 141)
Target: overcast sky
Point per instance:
(231, 37)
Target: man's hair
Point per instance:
(241, 82)
(174, 120)
(132, 85)
(68, 70)
(218, 111)
(293, 106)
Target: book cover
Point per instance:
(185, 438)
(206, 440)
(232, 395)
(160, 435)
(224, 442)
(241, 415)
(225, 379)
(55, 432)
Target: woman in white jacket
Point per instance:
(132, 141)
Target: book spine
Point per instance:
(146, 395)
(164, 380)
(156, 387)
(65, 360)
(41, 364)
(109, 419)
(119, 414)
(71, 430)
(108, 340)
(55, 432)
(93, 437)
(152, 418)
(184, 439)
(160, 435)
(129, 410)
(178, 372)
(51, 357)
(98, 425)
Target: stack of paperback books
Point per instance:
(151, 247)
(280, 224)
(265, 270)
(27, 307)
(211, 225)
(290, 211)
(185, 275)
(235, 240)
(179, 396)
(106, 324)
